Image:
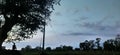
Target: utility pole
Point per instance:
(44, 35)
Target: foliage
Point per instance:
(27, 48)
(20, 19)
(98, 43)
(77, 49)
(48, 49)
(112, 44)
(64, 48)
(89, 45)
(23, 17)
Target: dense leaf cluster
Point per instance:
(21, 18)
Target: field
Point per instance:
(74, 53)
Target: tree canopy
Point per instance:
(20, 19)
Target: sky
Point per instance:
(75, 21)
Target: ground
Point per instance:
(75, 53)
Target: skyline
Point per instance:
(76, 21)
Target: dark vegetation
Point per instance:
(88, 47)
(20, 19)
(10, 52)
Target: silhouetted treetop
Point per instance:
(21, 18)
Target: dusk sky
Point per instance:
(75, 21)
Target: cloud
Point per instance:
(105, 30)
(105, 18)
(82, 18)
(93, 25)
(76, 11)
(107, 23)
(87, 8)
(73, 11)
(78, 33)
(99, 26)
(58, 14)
(117, 24)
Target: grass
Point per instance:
(74, 53)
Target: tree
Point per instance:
(20, 19)
(58, 49)
(77, 49)
(38, 48)
(112, 44)
(98, 43)
(91, 42)
(67, 48)
(27, 48)
(109, 45)
(117, 42)
(48, 49)
(85, 45)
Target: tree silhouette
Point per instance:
(67, 48)
(20, 19)
(85, 45)
(48, 49)
(117, 42)
(91, 42)
(28, 48)
(58, 49)
(98, 43)
(109, 45)
(112, 44)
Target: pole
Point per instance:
(43, 36)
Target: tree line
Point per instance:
(87, 45)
